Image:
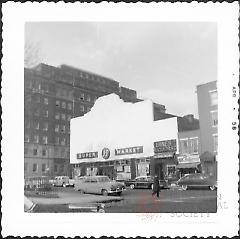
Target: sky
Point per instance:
(162, 61)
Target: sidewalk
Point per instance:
(74, 198)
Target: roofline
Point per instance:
(206, 83)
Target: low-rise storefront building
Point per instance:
(122, 140)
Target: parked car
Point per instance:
(31, 207)
(63, 181)
(145, 182)
(197, 180)
(99, 185)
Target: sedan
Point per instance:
(144, 182)
(98, 185)
(197, 180)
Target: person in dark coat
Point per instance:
(156, 186)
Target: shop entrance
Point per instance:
(107, 171)
(159, 170)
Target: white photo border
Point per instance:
(17, 223)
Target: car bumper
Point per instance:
(115, 191)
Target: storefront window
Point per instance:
(127, 169)
(142, 169)
(184, 146)
(193, 145)
(171, 171)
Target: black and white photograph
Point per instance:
(106, 118)
(124, 117)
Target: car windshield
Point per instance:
(103, 179)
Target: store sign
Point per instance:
(130, 150)
(87, 155)
(105, 153)
(188, 158)
(165, 146)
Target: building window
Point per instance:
(57, 103)
(81, 96)
(34, 167)
(55, 167)
(193, 143)
(25, 167)
(69, 117)
(35, 152)
(57, 116)
(214, 116)
(88, 109)
(37, 99)
(63, 129)
(70, 106)
(45, 113)
(57, 140)
(25, 150)
(26, 138)
(63, 105)
(28, 98)
(215, 142)
(184, 146)
(36, 125)
(28, 124)
(45, 139)
(37, 112)
(56, 128)
(88, 98)
(63, 116)
(213, 97)
(94, 98)
(45, 126)
(46, 88)
(82, 108)
(43, 167)
(64, 93)
(63, 141)
(171, 171)
(61, 167)
(38, 86)
(35, 138)
(45, 101)
(44, 152)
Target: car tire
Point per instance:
(119, 193)
(104, 192)
(184, 187)
(132, 186)
(101, 211)
(80, 191)
(212, 188)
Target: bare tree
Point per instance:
(32, 54)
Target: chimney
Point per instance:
(189, 117)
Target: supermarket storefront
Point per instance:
(124, 143)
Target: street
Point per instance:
(172, 200)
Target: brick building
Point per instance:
(208, 117)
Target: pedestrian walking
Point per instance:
(156, 187)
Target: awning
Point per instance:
(188, 165)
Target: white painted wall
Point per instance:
(114, 124)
